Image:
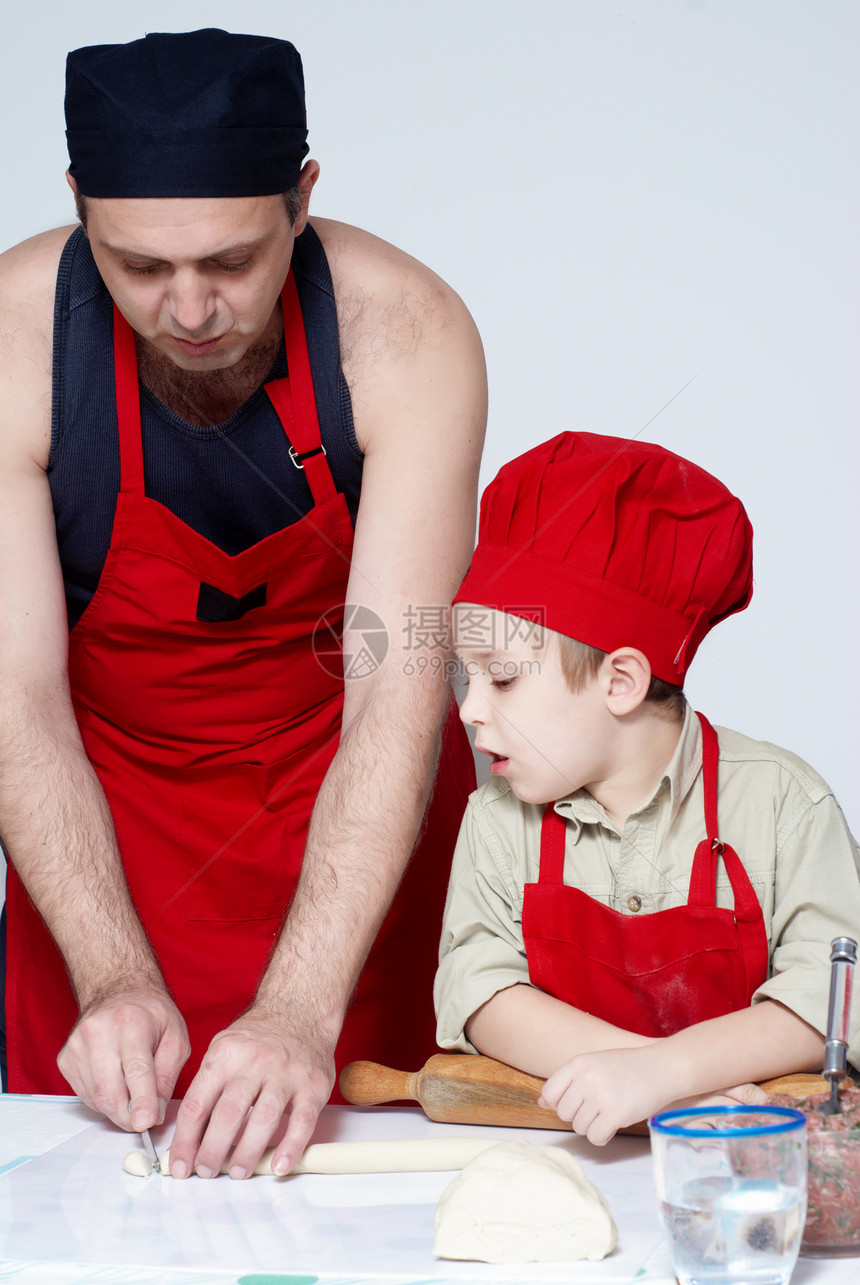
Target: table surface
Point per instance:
(70, 1216)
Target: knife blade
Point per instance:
(149, 1148)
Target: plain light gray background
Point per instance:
(628, 195)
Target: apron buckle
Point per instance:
(299, 459)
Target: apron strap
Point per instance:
(703, 876)
(294, 401)
(553, 832)
(127, 406)
(752, 936)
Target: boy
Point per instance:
(582, 939)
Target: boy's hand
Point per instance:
(747, 1095)
(600, 1093)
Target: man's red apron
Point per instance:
(653, 974)
(211, 725)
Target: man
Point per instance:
(190, 433)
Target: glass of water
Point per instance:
(731, 1185)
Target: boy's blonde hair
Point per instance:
(580, 663)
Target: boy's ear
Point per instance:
(628, 677)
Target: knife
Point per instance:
(842, 960)
(149, 1148)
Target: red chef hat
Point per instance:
(615, 543)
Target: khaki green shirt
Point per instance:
(776, 812)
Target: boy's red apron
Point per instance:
(211, 725)
(653, 974)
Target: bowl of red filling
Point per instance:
(833, 1208)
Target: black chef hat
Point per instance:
(199, 113)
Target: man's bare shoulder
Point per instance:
(28, 274)
(29, 269)
(387, 301)
(358, 258)
(410, 351)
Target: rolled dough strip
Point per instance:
(398, 1155)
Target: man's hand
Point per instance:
(262, 1083)
(124, 1054)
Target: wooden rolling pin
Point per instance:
(458, 1088)
(465, 1088)
(805, 1084)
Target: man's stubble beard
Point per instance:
(206, 397)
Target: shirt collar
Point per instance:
(675, 783)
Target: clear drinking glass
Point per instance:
(731, 1186)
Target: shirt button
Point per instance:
(634, 903)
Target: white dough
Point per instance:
(520, 1203)
(138, 1164)
(264, 1167)
(400, 1155)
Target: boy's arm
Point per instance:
(536, 1032)
(481, 952)
(816, 898)
(602, 1092)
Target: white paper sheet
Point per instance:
(74, 1204)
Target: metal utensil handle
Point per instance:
(843, 957)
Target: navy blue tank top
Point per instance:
(233, 482)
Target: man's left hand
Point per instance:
(263, 1082)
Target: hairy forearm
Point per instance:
(58, 831)
(535, 1032)
(362, 832)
